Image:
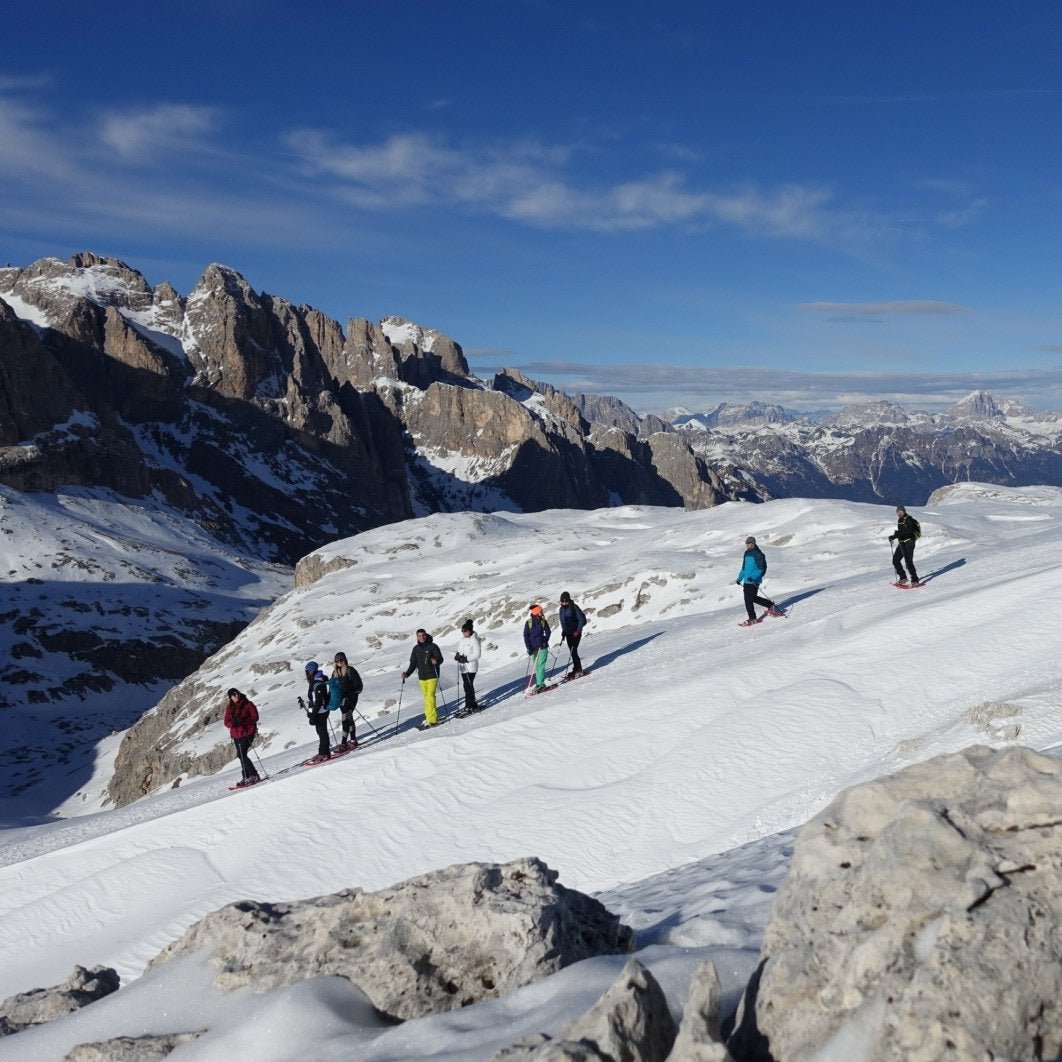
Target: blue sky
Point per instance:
(674, 203)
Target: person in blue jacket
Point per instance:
(753, 569)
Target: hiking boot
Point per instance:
(426, 725)
(321, 757)
(775, 611)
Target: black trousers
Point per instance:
(905, 552)
(243, 750)
(468, 680)
(324, 742)
(572, 642)
(347, 712)
(752, 599)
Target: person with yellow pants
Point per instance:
(426, 659)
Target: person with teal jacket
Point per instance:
(753, 569)
(536, 641)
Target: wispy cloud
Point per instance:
(877, 312)
(526, 181)
(146, 134)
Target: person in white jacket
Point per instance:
(467, 658)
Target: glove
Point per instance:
(403, 680)
(302, 704)
(738, 581)
(892, 538)
(461, 658)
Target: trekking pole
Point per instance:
(261, 767)
(332, 729)
(366, 721)
(398, 715)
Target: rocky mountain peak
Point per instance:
(867, 414)
(978, 404)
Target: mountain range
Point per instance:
(213, 439)
(878, 451)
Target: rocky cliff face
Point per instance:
(267, 430)
(277, 430)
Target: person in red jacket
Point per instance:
(241, 718)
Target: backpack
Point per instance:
(916, 527)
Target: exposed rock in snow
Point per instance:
(40, 1005)
(920, 918)
(433, 943)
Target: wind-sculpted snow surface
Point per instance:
(659, 784)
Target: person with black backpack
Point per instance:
(344, 687)
(908, 531)
(572, 621)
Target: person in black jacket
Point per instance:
(350, 685)
(426, 659)
(572, 621)
(906, 534)
(317, 709)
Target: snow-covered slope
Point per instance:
(106, 603)
(691, 738)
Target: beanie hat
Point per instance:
(232, 691)
(467, 625)
(536, 610)
(900, 509)
(311, 666)
(565, 597)
(340, 658)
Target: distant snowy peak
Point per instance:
(729, 415)
(981, 405)
(867, 414)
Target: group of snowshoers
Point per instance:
(754, 567)
(340, 691)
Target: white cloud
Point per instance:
(29, 149)
(526, 181)
(147, 133)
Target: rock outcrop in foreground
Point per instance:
(920, 920)
(41, 1005)
(430, 944)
